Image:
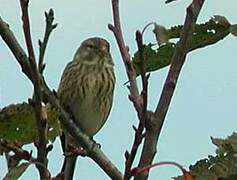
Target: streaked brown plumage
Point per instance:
(87, 85)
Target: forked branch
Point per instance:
(37, 97)
(139, 101)
(178, 59)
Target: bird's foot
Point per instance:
(74, 150)
(95, 144)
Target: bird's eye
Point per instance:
(90, 46)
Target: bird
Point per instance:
(86, 91)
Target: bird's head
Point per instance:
(94, 51)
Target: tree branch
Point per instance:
(139, 102)
(18, 151)
(37, 97)
(142, 118)
(27, 34)
(14, 46)
(178, 59)
(49, 17)
(116, 29)
(20, 154)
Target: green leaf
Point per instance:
(230, 177)
(223, 166)
(204, 35)
(154, 60)
(226, 145)
(16, 172)
(18, 124)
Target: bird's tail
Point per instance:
(69, 161)
(69, 167)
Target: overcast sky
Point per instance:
(204, 103)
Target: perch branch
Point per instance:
(93, 151)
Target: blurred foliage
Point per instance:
(205, 34)
(223, 166)
(226, 145)
(18, 124)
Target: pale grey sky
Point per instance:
(204, 103)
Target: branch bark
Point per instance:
(116, 29)
(49, 17)
(37, 97)
(139, 101)
(157, 119)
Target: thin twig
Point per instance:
(18, 151)
(19, 54)
(27, 35)
(178, 59)
(139, 104)
(21, 154)
(49, 17)
(145, 28)
(142, 118)
(144, 93)
(116, 29)
(37, 97)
